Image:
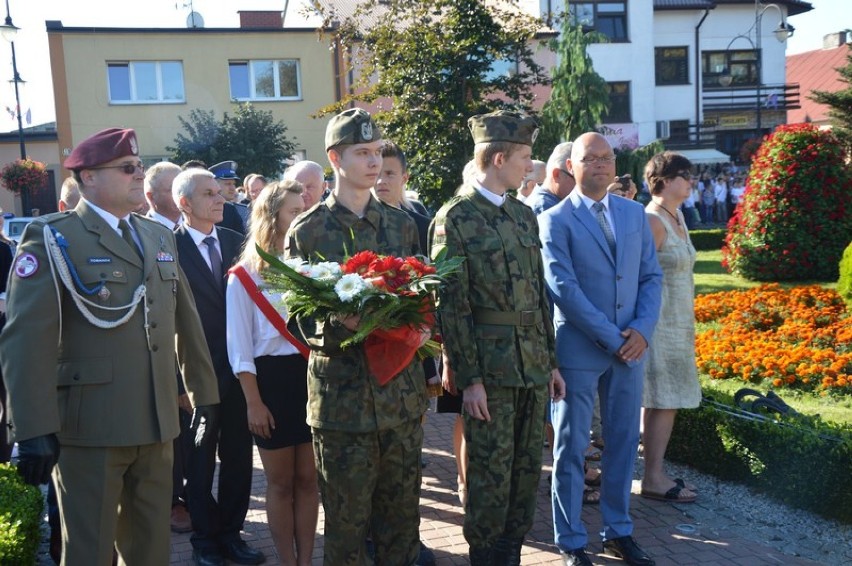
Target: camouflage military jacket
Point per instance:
(494, 314)
(342, 395)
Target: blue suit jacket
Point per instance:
(595, 295)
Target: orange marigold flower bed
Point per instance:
(782, 338)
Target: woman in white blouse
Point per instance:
(273, 375)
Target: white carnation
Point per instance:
(349, 287)
(294, 263)
(325, 270)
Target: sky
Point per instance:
(33, 60)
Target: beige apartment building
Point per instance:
(147, 78)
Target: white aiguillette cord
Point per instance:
(58, 264)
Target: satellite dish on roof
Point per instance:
(194, 20)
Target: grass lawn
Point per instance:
(711, 277)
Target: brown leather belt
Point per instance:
(507, 318)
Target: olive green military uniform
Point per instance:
(109, 394)
(367, 437)
(496, 327)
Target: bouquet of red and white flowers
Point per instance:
(392, 295)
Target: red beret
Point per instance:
(102, 147)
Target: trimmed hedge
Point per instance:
(21, 506)
(707, 240)
(801, 461)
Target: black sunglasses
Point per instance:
(126, 168)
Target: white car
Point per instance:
(15, 227)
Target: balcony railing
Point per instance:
(770, 97)
(690, 136)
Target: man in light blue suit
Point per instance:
(602, 273)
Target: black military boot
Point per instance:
(481, 557)
(510, 551)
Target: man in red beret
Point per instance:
(97, 303)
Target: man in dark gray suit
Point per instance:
(206, 252)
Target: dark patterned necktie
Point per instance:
(215, 259)
(604, 224)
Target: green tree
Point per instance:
(579, 97)
(437, 63)
(251, 137)
(840, 103)
(199, 141)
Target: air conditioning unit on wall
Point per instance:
(663, 130)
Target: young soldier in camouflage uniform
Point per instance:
(367, 437)
(498, 337)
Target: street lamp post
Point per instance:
(8, 30)
(781, 34)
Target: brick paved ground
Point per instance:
(673, 535)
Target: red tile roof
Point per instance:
(815, 70)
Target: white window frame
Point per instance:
(276, 78)
(159, 74)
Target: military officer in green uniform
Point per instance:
(98, 310)
(367, 437)
(498, 336)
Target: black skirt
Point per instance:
(283, 385)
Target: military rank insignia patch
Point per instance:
(26, 265)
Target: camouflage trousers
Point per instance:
(504, 465)
(370, 486)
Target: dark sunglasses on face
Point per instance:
(126, 168)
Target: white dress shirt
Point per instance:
(154, 215)
(250, 334)
(198, 238)
(493, 198)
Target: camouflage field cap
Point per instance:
(351, 126)
(503, 126)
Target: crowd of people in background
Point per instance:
(546, 334)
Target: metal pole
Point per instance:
(16, 80)
(757, 22)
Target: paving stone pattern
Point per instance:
(674, 535)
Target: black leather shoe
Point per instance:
(239, 552)
(207, 558)
(627, 549)
(576, 557)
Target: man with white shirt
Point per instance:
(602, 274)
(158, 192)
(720, 191)
(206, 253)
(98, 394)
